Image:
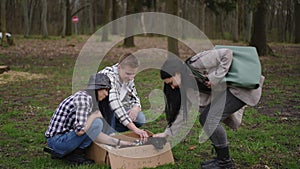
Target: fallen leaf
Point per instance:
(192, 148)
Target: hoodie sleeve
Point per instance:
(216, 62)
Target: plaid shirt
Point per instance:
(71, 114)
(130, 100)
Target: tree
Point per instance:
(3, 23)
(67, 25)
(115, 11)
(235, 30)
(106, 20)
(172, 8)
(297, 21)
(64, 21)
(202, 7)
(44, 19)
(248, 10)
(221, 9)
(91, 20)
(133, 6)
(259, 36)
(26, 18)
(67, 18)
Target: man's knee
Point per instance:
(95, 128)
(140, 118)
(97, 123)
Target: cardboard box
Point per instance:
(130, 157)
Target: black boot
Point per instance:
(213, 152)
(208, 161)
(223, 160)
(77, 157)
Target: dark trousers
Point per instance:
(212, 115)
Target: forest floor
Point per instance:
(41, 76)
(285, 64)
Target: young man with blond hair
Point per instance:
(123, 99)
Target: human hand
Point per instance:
(125, 143)
(163, 135)
(80, 133)
(141, 133)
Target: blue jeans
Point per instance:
(64, 144)
(139, 122)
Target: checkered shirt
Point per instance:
(131, 99)
(71, 114)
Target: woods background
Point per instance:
(253, 21)
(40, 67)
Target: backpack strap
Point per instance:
(200, 77)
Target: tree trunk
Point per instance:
(26, 18)
(115, 11)
(220, 25)
(297, 21)
(202, 15)
(64, 13)
(184, 14)
(91, 20)
(44, 19)
(248, 26)
(235, 32)
(259, 36)
(289, 22)
(28, 9)
(31, 13)
(106, 20)
(172, 8)
(68, 19)
(3, 23)
(130, 9)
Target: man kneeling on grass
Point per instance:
(77, 122)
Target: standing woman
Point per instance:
(215, 106)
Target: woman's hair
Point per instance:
(94, 94)
(129, 60)
(103, 107)
(175, 96)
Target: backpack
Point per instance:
(244, 71)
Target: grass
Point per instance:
(26, 107)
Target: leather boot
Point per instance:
(208, 161)
(222, 161)
(219, 164)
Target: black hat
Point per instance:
(99, 81)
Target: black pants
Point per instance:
(212, 115)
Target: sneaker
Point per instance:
(218, 164)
